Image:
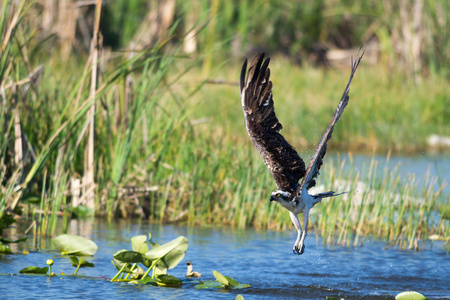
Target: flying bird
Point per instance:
(283, 161)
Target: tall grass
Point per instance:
(387, 111)
(52, 118)
(228, 184)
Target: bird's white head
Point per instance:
(280, 196)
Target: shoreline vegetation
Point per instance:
(155, 132)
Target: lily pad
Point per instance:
(82, 262)
(222, 282)
(139, 244)
(74, 245)
(225, 280)
(410, 295)
(170, 254)
(148, 280)
(241, 286)
(34, 270)
(8, 241)
(129, 257)
(209, 284)
(168, 280)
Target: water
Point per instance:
(437, 165)
(405, 166)
(262, 259)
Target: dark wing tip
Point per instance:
(243, 71)
(256, 63)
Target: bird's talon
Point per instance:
(303, 250)
(297, 251)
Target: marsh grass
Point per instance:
(234, 192)
(387, 111)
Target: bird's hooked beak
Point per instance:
(272, 198)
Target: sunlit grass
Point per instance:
(387, 111)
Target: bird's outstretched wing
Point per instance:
(317, 160)
(263, 126)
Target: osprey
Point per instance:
(280, 157)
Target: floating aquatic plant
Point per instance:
(74, 245)
(410, 295)
(158, 259)
(34, 270)
(221, 282)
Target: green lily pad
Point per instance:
(239, 297)
(139, 244)
(410, 295)
(74, 261)
(34, 270)
(8, 241)
(129, 257)
(241, 286)
(220, 278)
(82, 262)
(148, 280)
(168, 280)
(74, 245)
(85, 264)
(225, 280)
(222, 282)
(136, 272)
(209, 284)
(170, 254)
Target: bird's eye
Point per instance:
(278, 195)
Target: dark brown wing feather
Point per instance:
(317, 160)
(263, 127)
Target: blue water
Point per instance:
(418, 165)
(260, 258)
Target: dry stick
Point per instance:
(89, 175)
(18, 149)
(12, 25)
